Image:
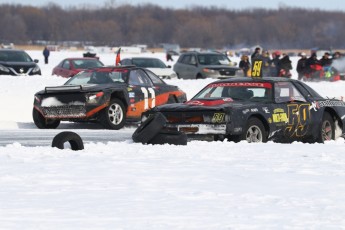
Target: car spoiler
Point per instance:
(65, 88)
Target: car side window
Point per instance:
(126, 62)
(154, 78)
(66, 65)
(139, 78)
(287, 92)
(192, 60)
(186, 59)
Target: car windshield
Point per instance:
(251, 91)
(213, 59)
(14, 56)
(148, 63)
(98, 77)
(86, 63)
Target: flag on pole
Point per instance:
(118, 58)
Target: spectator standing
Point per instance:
(275, 64)
(46, 54)
(169, 56)
(256, 54)
(245, 65)
(302, 68)
(325, 60)
(266, 64)
(285, 66)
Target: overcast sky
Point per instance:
(229, 4)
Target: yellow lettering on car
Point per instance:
(279, 117)
(218, 117)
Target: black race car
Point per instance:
(108, 95)
(256, 110)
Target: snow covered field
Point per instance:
(125, 185)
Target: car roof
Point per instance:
(142, 58)
(256, 79)
(203, 52)
(12, 50)
(82, 58)
(111, 68)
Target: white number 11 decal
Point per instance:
(146, 97)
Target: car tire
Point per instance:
(327, 129)
(114, 115)
(169, 137)
(255, 131)
(72, 138)
(149, 128)
(43, 123)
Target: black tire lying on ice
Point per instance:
(72, 138)
(149, 128)
(169, 137)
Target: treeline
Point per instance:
(211, 27)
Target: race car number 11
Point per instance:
(146, 93)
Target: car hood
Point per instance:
(195, 105)
(14, 64)
(80, 88)
(221, 67)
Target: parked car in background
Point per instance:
(198, 65)
(17, 62)
(154, 64)
(71, 66)
(109, 95)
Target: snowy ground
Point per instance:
(124, 185)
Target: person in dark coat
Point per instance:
(325, 60)
(275, 62)
(285, 66)
(46, 53)
(266, 64)
(256, 54)
(244, 65)
(302, 68)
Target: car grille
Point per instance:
(227, 72)
(66, 111)
(18, 70)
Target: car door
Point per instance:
(291, 113)
(141, 93)
(186, 67)
(65, 70)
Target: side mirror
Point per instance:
(169, 66)
(36, 60)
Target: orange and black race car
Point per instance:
(109, 95)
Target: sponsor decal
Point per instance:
(330, 103)
(265, 109)
(279, 110)
(279, 117)
(245, 111)
(129, 89)
(228, 99)
(131, 94)
(254, 110)
(241, 84)
(218, 117)
(194, 103)
(269, 120)
(315, 106)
